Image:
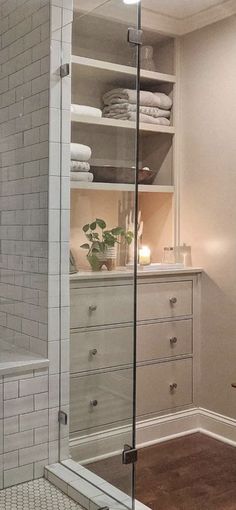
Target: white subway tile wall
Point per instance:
(35, 40)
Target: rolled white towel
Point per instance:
(147, 98)
(86, 110)
(81, 176)
(79, 166)
(80, 152)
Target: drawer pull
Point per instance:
(92, 308)
(173, 340)
(173, 300)
(93, 352)
(173, 386)
(93, 403)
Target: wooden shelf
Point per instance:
(121, 124)
(106, 186)
(105, 70)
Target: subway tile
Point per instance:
(15, 441)
(10, 460)
(33, 453)
(11, 425)
(33, 420)
(18, 475)
(32, 386)
(18, 406)
(41, 401)
(10, 390)
(41, 435)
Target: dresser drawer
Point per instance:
(162, 300)
(111, 390)
(94, 349)
(96, 306)
(164, 339)
(154, 393)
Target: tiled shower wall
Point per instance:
(24, 134)
(34, 201)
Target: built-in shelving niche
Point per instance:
(96, 68)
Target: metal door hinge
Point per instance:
(135, 36)
(64, 70)
(129, 455)
(62, 418)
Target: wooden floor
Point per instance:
(190, 473)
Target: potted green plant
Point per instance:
(101, 245)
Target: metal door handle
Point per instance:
(173, 300)
(94, 403)
(173, 386)
(233, 384)
(92, 308)
(173, 340)
(93, 352)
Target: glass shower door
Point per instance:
(104, 156)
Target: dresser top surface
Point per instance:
(122, 272)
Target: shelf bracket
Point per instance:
(135, 36)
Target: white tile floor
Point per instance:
(35, 495)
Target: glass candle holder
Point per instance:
(144, 256)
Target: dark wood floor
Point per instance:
(190, 473)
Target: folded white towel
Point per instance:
(86, 110)
(142, 117)
(79, 166)
(81, 176)
(80, 152)
(127, 107)
(156, 99)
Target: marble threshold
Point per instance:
(86, 488)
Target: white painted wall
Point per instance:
(208, 198)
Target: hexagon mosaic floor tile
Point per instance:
(35, 495)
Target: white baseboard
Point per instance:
(108, 443)
(218, 426)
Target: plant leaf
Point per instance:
(101, 223)
(93, 225)
(118, 231)
(86, 228)
(85, 246)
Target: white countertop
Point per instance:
(123, 272)
(14, 360)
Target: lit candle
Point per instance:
(144, 256)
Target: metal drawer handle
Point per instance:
(173, 340)
(173, 300)
(173, 386)
(93, 403)
(233, 384)
(92, 308)
(93, 352)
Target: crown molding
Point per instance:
(178, 27)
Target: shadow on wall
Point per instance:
(218, 348)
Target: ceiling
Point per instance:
(180, 9)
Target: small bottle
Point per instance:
(169, 255)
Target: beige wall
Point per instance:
(208, 198)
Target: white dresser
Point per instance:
(102, 348)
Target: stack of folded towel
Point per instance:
(81, 110)
(79, 166)
(122, 104)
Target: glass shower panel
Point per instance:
(104, 158)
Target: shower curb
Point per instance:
(87, 489)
